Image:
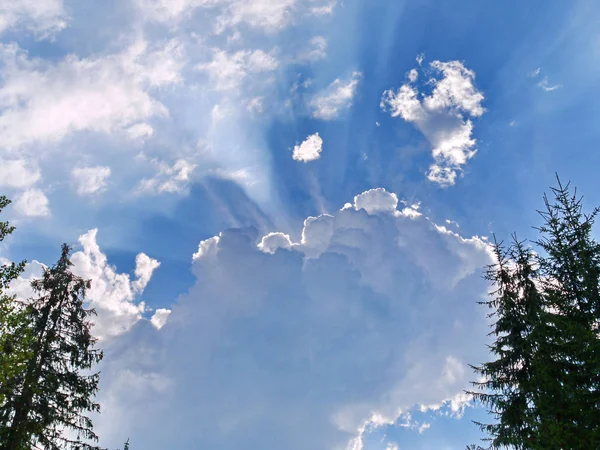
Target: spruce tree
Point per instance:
(508, 387)
(544, 385)
(48, 409)
(571, 278)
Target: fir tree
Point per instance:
(571, 277)
(544, 385)
(509, 386)
(48, 409)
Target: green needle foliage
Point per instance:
(49, 400)
(14, 335)
(543, 387)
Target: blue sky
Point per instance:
(183, 146)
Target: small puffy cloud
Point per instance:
(317, 50)
(32, 203)
(43, 18)
(327, 336)
(140, 131)
(160, 317)
(255, 105)
(227, 71)
(413, 75)
(337, 97)
(323, 9)
(423, 427)
(547, 86)
(90, 180)
(309, 150)
(170, 179)
(144, 268)
(42, 101)
(442, 116)
(18, 173)
(114, 295)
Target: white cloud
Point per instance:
(90, 180)
(160, 317)
(18, 173)
(255, 105)
(144, 268)
(114, 295)
(440, 116)
(547, 86)
(323, 9)
(169, 10)
(309, 150)
(227, 71)
(42, 102)
(264, 14)
(206, 247)
(32, 203)
(337, 97)
(140, 131)
(376, 200)
(43, 18)
(413, 75)
(170, 179)
(317, 51)
(369, 315)
(271, 242)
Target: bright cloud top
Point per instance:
(309, 150)
(443, 116)
(373, 311)
(330, 103)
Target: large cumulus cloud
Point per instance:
(298, 345)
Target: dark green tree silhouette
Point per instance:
(508, 387)
(570, 408)
(48, 408)
(543, 387)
